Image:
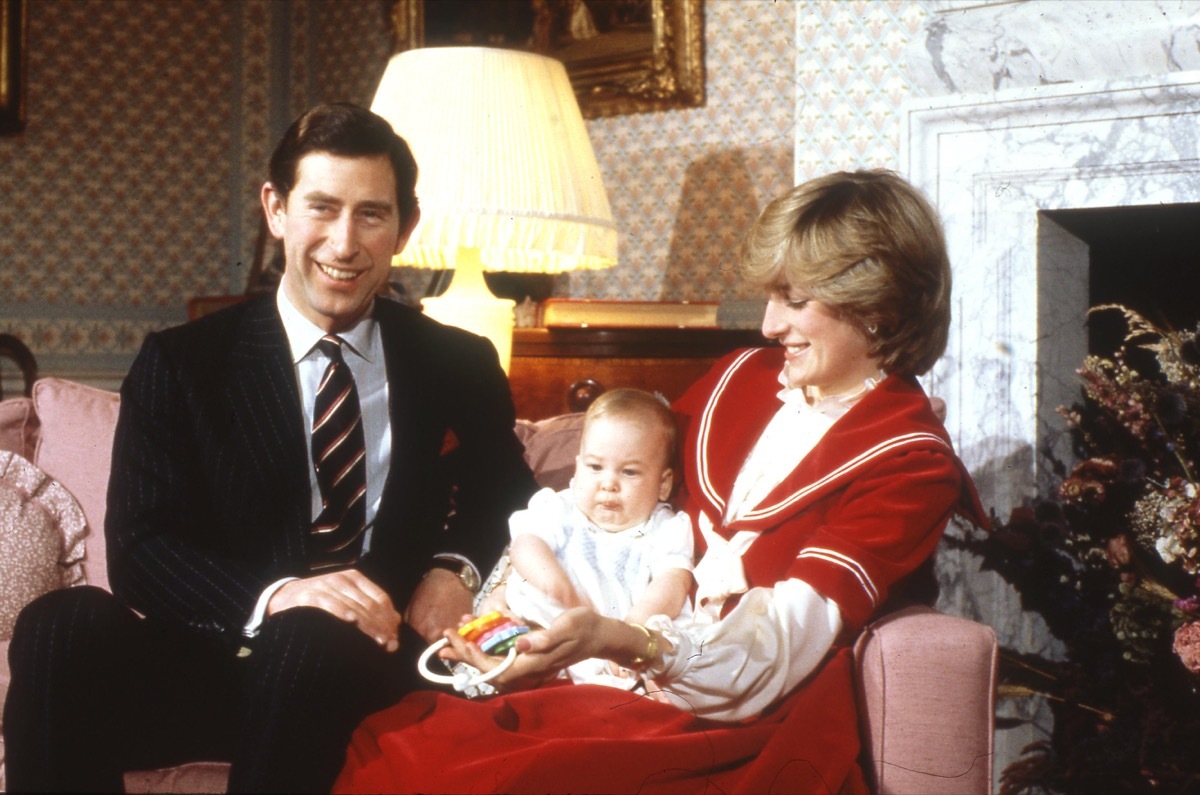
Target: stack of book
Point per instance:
(598, 313)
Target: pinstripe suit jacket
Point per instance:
(209, 497)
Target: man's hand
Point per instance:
(439, 603)
(350, 596)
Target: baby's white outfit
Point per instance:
(610, 569)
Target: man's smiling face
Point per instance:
(340, 227)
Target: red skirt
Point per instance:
(589, 738)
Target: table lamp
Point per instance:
(508, 178)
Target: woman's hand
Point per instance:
(575, 635)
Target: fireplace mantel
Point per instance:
(979, 46)
(990, 163)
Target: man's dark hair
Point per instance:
(348, 131)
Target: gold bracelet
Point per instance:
(651, 648)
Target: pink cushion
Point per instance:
(927, 684)
(75, 448)
(4, 677)
(18, 426)
(550, 448)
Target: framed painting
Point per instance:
(12, 66)
(623, 56)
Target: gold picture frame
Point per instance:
(12, 66)
(623, 56)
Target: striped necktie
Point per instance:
(339, 456)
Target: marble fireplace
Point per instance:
(993, 166)
(1043, 107)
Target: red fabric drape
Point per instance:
(590, 738)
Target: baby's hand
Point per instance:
(459, 650)
(483, 642)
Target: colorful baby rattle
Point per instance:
(494, 633)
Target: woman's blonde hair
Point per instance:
(868, 244)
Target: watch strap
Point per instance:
(461, 568)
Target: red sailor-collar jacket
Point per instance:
(862, 510)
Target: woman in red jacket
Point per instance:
(818, 479)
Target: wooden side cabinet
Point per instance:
(557, 370)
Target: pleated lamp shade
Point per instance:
(508, 178)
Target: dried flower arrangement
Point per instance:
(1112, 562)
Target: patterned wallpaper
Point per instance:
(135, 184)
(116, 196)
(851, 76)
(794, 89)
(684, 183)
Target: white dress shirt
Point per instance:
(363, 353)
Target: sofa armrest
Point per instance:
(926, 687)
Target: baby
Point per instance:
(610, 541)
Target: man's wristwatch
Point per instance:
(461, 569)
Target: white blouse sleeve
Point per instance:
(739, 666)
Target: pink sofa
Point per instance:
(926, 681)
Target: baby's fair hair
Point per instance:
(648, 409)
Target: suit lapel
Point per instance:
(264, 397)
(402, 393)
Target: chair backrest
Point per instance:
(16, 350)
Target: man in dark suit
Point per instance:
(237, 630)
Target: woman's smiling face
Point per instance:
(823, 348)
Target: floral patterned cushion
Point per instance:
(41, 537)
